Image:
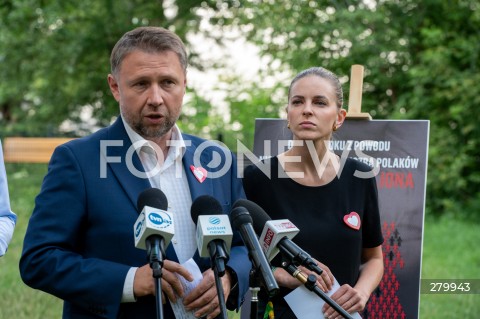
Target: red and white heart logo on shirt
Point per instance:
(352, 220)
(199, 172)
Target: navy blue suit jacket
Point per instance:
(79, 244)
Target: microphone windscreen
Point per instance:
(205, 205)
(258, 215)
(239, 216)
(152, 197)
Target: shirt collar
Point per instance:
(176, 150)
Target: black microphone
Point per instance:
(214, 238)
(289, 250)
(214, 233)
(277, 234)
(154, 227)
(153, 231)
(242, 221)
(152, 197)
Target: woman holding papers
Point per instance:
(332, 201)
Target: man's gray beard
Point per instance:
(146, 132)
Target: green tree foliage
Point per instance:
(55, 58)
(421, 61)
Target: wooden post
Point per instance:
(354, 111)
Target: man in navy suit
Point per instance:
(79, 245)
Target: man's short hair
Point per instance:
(150, 40)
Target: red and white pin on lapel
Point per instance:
(352, 220)
(199, 172)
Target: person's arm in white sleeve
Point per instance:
(128, 295)
(7, 217)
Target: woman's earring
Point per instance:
(334, 128)
(288, 124)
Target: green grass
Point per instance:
(18, 300)
(450, 251)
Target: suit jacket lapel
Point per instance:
(197, 188)
(132, 184)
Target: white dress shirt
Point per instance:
(167, 175)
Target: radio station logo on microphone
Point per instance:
(268, 238)
(214, 220)
(160, 218)
(286, 225)
(214, 227)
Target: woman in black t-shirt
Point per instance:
(332, 201)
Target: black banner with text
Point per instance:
(399, 151)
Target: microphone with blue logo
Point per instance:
(153, 231)
(214, 233)
(214, 238)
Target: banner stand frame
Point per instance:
(355, 97)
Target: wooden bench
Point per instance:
(30, 149)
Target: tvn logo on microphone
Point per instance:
(160, 218)
(153, 221)
(138, 228)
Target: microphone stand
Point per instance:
(254, 289)
(310, 282)
(218, 259)
(298, 257)
(155, 253)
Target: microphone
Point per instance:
(276, 236)
(242, 221)
(214, 238)
(214, 233)
(154, 228)
(289, 250)
(274, 232)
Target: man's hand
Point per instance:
(204, 299)
(144, 283)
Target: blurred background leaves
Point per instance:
(421, 61)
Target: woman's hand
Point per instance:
(350, 299)
(324, 281)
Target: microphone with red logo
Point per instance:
(276, 235)
(242, 221)
(273, 233)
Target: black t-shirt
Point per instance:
(319, 213)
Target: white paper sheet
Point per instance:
(306, 304)
(178, 308)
